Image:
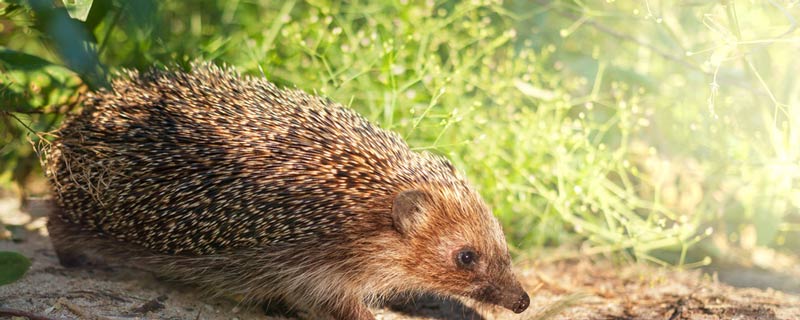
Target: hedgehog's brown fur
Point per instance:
(246, 189)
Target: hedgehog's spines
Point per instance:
(212, 129)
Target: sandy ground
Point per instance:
(572, 289)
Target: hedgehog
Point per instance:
(271, 195)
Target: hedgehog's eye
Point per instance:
(466, 258)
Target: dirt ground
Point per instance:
(568, 289)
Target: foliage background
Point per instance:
(648, 129)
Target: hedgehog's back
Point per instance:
(198, 162)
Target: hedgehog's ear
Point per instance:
(407, 210)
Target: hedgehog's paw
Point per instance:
(345, 309)
(67, 239)
(279, 308)
(71, 258)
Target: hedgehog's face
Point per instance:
(457, 247)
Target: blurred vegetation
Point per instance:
(12, 267)
(639, 128)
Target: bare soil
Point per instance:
(569, 289)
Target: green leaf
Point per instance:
(12, 266)
(20, 73)
(71, 40)
(78, 9)
(23, 61)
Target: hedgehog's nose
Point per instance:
(521, 304)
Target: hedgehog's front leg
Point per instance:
(66, 240)
(334, 306)
(350, 309)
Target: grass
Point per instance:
(630, 129)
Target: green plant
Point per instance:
(628, 127)
(12, 266)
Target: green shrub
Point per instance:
(628, 127)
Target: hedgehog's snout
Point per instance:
(521, 304)
(514, 299)
(506, 292)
